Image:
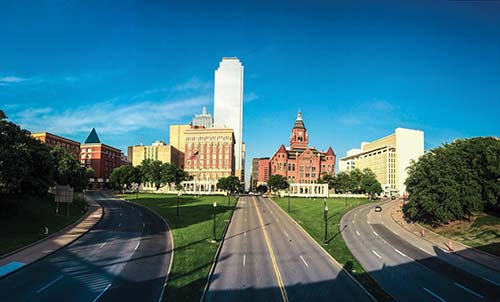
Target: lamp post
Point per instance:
(215, 206)
(288, 200)
(326, 223)
(178, 196)
(228, 199)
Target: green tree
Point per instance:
(262, 189)
(277, 182)
(328, 179)
(370, 184)
(355, 177)
(124, 176)
(152, 172)
(342, 182)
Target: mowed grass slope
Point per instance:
(482, 232)
(27, 216)
(309, 214)
(192, 231)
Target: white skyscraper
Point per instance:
(228, 105)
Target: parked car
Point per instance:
(378, 209)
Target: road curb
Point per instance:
(66, 228)
(447, 251)
(214, 263)
(328, 254)
(171, 240)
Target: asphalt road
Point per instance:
(267, 257)
(125, 257)
(414, 273)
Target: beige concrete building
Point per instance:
(177, 136)
(157, 151)
(209, 153)
(387, 157)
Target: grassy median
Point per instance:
(192, 231)
(24, 218)
(309, 214)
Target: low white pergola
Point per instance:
(308, 190)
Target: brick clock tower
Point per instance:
(299, 138)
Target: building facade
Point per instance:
(157, 151)
(228, 106)
(53, 140)
(260, 172)
(387, 157)
(300, 163)
(209, 153)
(100, 157)
(203, 120)
(178, 137)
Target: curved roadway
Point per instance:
(124, 257)
(410, 271)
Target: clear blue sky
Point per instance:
(357, 71)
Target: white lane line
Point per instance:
(46, 286)
(353, 222)
(375, 233)
(304, 260)
(438, 297)
(286, 233)
(469, 290)
(423, 250)
(358, 233)
(376, 254)
(245, 219)
(245, 234)
(143, 225)
(120, 225)
(277, 220)
(137, 246)
(491, 281)
(244, 259)
(121, 214)
(102, 293)
(103, 244)
(399, 252)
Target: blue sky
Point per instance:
(356, 70)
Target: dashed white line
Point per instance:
(438, 297)
(286, 233)
(358, 233)
(143, 225)
(244, 259)
(399, 252)
(47, 286)
(245, 234)
(304, 260)
(374, 233)
(491, 281)
(103, 244)
(376, 254)
(353, 222)
(102, 293)
(120, 225)
(469, 290)
(137, 246)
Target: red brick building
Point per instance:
(264, 169)
(299, 163)
(100, 157)
(53, 140)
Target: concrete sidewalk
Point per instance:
(39, 249)
(446, 244)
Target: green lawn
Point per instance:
(192, 231)
(309, 214)
(482, 232)
(24, 220)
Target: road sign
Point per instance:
(63, 194)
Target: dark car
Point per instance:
(378, 209)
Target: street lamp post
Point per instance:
(215, 206)
(288, 200)
(178, 196)
(326, 223)
(228, 199)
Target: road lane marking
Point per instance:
(353, 222)
(137, 246)
(304, 260)
(376, 254)
(286, 233)
(438, 297)
(143, 225)
(120, 225)
(277, 220)
(374, 233)
(102, 293)
(424, 250)
(399, 252)
(103, 244)
(469, 290)
(244, 258)
(358, 233)
(273, 258)
(48, 285)
(245, 234)
(491, 281)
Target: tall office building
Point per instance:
(203, 120)
(228, 106)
